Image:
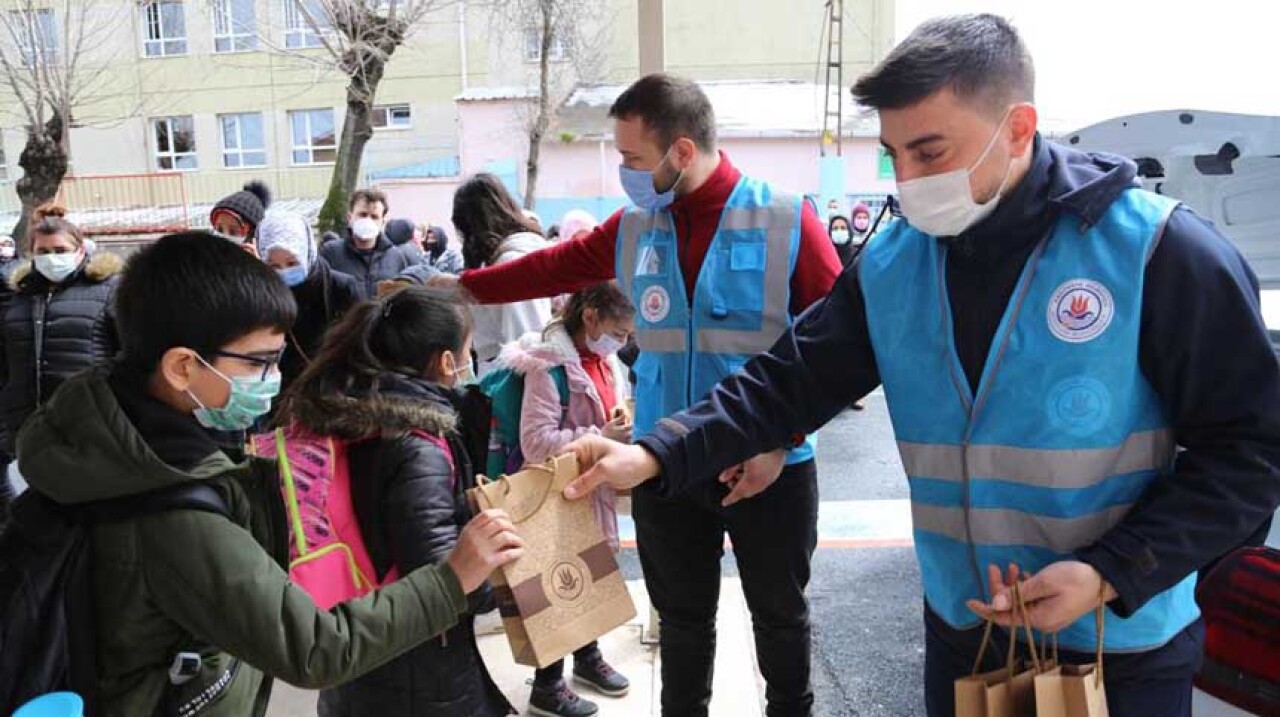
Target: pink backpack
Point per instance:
(327, 554)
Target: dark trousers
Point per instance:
(551, 674)
(681, 543)
(1155, 683)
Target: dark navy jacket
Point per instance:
(1203, 347)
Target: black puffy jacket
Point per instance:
(322, 299)
(409, 496)
(52, 331)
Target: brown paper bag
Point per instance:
(1074, 690)
(1007, 692)
(567, 590)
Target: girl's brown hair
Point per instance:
(606, 298)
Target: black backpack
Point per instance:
(47, 633)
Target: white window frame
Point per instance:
(173, 156)
(533, 45)
(298, 33)
(389, 124)
(163, 45)
(22, 20)
(4, 162)
(308, 147)
(240, 151)
(238, 34)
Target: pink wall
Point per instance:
(494, 131)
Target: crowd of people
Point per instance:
(198, 383)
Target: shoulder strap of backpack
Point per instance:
(193, 495)
(561, 379)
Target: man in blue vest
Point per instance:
(718, 264)
(1077, 372)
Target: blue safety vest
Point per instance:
(1064, 434)
(741, 303)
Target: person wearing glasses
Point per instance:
(199, 612)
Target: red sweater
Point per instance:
(576, 264)
(601, 374)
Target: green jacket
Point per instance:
(191, 581)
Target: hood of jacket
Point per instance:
(100, 266)
(519, 244)
(539, 351)
(82, 446)
(401, 404)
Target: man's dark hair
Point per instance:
(980, 57)
(372, 196)
(671, 107)
(199, 291)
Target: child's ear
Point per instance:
(176, 368)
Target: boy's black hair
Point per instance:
(980, 57)
(199, 291)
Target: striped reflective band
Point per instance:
(1143, 451)
(1002, 527)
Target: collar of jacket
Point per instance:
(100, 266)
(398, 405)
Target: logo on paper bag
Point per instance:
(568, 581)
(1080, 311)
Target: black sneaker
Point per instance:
(597, 674)
(559, 701)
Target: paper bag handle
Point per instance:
(1026, 624)
(1100, 619)
(552, 485)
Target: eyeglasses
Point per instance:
(266, 362)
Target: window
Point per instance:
(886, 165)
(313, 138)
(298, 31)
(4, 166)
(164, 28)
(233, 26)
(175, 139)
(392, 117)
(533, 46)
(242, 140)
(36, 35)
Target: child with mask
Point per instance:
(201, 613)
(285, 243)
(577, 352)
(861, 224)
(386, 390)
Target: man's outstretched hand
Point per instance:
(753, 477)
(605, 462)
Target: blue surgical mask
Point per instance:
(464, 376)
(293, 275)
(250, 399)
(638, 184)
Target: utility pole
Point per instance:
(833, 119)
(653, 52)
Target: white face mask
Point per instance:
(57, 267)
(942, 205)
(365, 228)
(606, 345)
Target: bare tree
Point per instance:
(358, 38)
(54, 61)
(571, 38)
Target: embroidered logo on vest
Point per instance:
(1080, 311)
(655, 304)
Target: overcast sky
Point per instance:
(1101, 58)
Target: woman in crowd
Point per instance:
(435, 244)
(576, 355)
(285, 242)
(238, 215)
(60, 319)
(386, 383)
(842, 238)
(495, 230)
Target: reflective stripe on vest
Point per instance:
(1063, 435)
(741, 303)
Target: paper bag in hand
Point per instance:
(1009, 691)
(567, 590)
(1075, 690)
